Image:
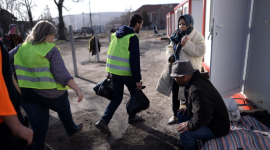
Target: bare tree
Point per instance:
(61, 25)
(115, 20)
(125, 16)
(20, 13)
(23, 25)
(8, 5)
(46, 15)
(28, 5)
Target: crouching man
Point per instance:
(205, 116)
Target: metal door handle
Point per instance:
(219, 25)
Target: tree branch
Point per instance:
(65, 8)
(55, 2)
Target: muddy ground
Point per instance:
(152, 134)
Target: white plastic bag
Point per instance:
(233, 110)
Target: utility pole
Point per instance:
(74, 22)
(78, 24)
(99, 23)
(90, 17)
(83, 19)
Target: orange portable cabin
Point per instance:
(196, 8)
(170, 23)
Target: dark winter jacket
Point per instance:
(12, 40)
(205, 105)
(134, 50)
(6, 137)
(92, 45)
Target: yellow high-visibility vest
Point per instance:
(33, 69)
(118, 55)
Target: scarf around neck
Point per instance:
(178, 35)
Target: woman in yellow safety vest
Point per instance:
(44, 80)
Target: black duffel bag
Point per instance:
(137, 103)
(104, 89)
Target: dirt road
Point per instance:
(153, 133)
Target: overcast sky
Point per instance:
(96, 6)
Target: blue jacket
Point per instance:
(134, 50)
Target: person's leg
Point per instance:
(118, 90)
(189, 138)
(62, 107)
(39, 119)
(37, 114)
(183, 117)
(175, 101)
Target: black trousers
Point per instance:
(175, 101)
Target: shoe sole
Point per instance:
(172, 122)
(135, 121)
(102, 130)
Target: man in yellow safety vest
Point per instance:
(123, 66)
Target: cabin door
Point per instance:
(230, 23)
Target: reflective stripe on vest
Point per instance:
(118, 56)
(36, 79)
(42, 69)
(33, 69)
(118, 67)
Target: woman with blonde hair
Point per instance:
(44, 80)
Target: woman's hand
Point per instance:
(71, 83)
(184, 40)
(172, 59)
(80, 95)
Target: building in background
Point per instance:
(157, 14)
(6, 18)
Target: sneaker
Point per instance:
(135, 119)
(103, 127)
(172, 120)
(80, 126)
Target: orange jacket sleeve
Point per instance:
(6, 107)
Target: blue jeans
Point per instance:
(118, 83)
(189, 138)
(37, 110)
